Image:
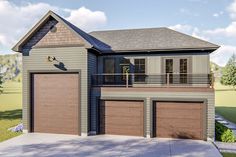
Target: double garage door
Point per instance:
(170, 119)
(56, 103)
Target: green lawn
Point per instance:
(225, 100)
(10, 109)
(228, 155)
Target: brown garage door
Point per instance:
(56, 103)
(121, 118)
(180, 120)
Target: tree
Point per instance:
(229, 72)
(1, 82)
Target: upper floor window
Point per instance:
(183, 70)
(109, 69)
(176, 70)
(139, 69)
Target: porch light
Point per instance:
(51, 58)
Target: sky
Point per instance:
(211, 20)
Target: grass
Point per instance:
(225, 99)
(228, 154)
(10, 109)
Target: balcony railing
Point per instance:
(168, 79)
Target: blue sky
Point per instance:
(207, 19)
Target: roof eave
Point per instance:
(172, 49)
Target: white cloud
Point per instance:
(232, 10)
(16, 20)
(87, 19)
(188, 12)
(218, 14)
(222, 55)
(182, 28)
(229, 31)
(188, 29)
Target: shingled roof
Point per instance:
(130, 40)
(153, 39)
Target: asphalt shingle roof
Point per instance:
(150, 39)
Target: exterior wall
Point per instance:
(151, 94)
(92, 69)
(199, 64)
(74, 58)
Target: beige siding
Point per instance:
(201, 64)
(209, 96)
(74, 58)
(154, 65)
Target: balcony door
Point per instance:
(169, 69)
(176, 70)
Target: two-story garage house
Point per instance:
(140, 82)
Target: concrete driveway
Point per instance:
(51, 145)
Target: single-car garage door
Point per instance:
(55, 103)
(180, 120)
(122, 118)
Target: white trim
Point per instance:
(210, 139)
(25, 131)
(148, 136)
(84, 134)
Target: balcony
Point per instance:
(152, 80)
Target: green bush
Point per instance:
(224, 134)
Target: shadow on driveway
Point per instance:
(51, 145)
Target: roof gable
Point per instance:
(36, 36)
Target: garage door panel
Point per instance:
(180, 134)
(126, 112)
(178, 123)
(124, 131)
(121, 118)
(179, 105)
(191, 114)
(56, 103)
(68, 110)
(57, 130)
(65, 117)
(179, 119)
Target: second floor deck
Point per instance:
(152, 80)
